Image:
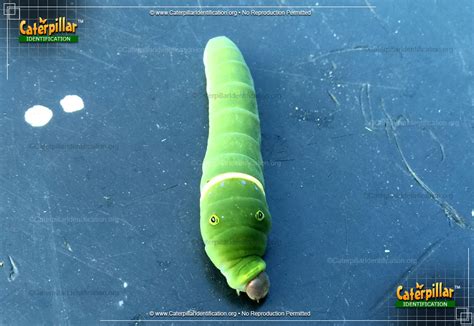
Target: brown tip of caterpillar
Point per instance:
(258, 288)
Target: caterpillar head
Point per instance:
(258, 288)
(235, 222)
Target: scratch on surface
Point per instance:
(100, 211)
(116, 255)
(457, 45)
(89, 265)
(111, 26)
(14, 272)
(347, 234)
(339, 293)
(373, 85)
(198, 42)
(286, 73)
(413, 268)
(67, 130)
(449, 210)
(367, 93)
(441, 146)
(59, 302)
(84, 54)
(67, 245)
(144, 198)
(379, 19)
(27, 203)
(333, 97)
(81, 132)
(169, 188)
(368, 120)
(466, 125)
(39, 89)
(342, 136)
(337, 51)
(403, 170)
(324, 21)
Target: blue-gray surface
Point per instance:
(99, 209)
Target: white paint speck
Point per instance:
(387, 251)
(120, 303)
(472, 213)
(38, 116)
(125, 285)
(72, 103)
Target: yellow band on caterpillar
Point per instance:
(230, 175)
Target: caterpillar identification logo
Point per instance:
(48, 31)
(420, 296)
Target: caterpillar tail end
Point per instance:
(216, 43)
(258, 288)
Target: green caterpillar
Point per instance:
(235, 219)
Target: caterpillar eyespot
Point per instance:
(214, 219)
(259, 215)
